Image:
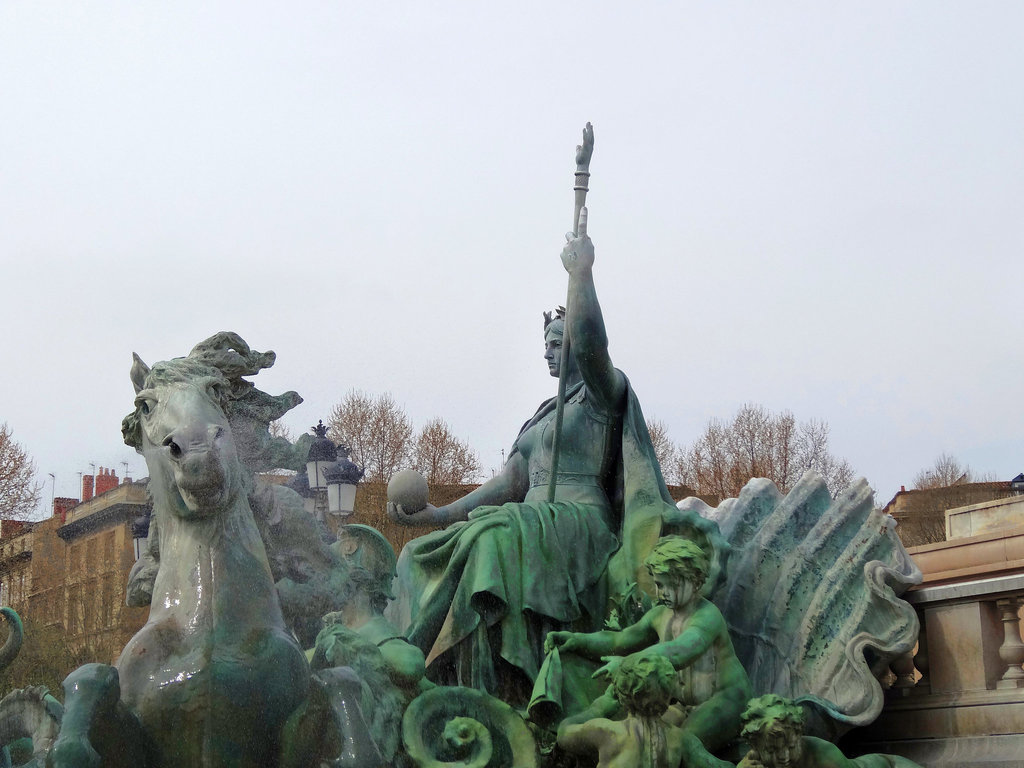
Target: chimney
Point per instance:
(105, 481)
(903, 489)
(86, 488)
(62, 505)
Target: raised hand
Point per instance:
(585, 150)
(579, 249)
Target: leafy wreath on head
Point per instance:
(550, 317)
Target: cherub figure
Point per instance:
(691, 633)
(774, 727)
(643, 686)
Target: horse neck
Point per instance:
(215, 569)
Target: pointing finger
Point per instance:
(583, 222)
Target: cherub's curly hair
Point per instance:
(679, 557)
(768, 710)
(644, 684)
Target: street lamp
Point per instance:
(331, 480)
(322, 453)
(342, 478)
(140, 531)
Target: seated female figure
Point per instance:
(482, 594)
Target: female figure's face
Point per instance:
(553, 349)
(553, 352)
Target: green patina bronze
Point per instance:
(691, 634)
(773, 726)
(643, 688)
(550, 581)
(479, 596)
(15, 637)
(214, 678)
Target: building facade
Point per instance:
(71, 569)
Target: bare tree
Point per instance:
(349, 424)
(376, 430)
(813, 453)
(19, 492)
(46, 657)
(759, 443)
(946, 471)
(945, 485)
(278, 428)
(664, 448)
(442, 458)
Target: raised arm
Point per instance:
(511, 484)
(586, 323)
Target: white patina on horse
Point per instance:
(214, 677)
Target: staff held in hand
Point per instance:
(584, 152)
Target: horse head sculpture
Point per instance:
(186, 439)
(197, 421)
(214, 678)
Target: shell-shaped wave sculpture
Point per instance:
(465, 728)
(813, 596)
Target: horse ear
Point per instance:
(139, 373)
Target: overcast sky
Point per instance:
(811, 206)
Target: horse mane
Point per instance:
(226, 357)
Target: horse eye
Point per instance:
(144, 406)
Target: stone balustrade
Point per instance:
(959, 701)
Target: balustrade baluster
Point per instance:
(1012, 649)
(924, 685)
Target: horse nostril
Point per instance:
(174, 448)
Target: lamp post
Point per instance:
(140, 531)
(342, 478)
(322, 453)
(332, 480)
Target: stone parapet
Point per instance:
(964, 706)
(991, 554)
(985, 517)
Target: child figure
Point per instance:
(643, 686)
(774, 727)
(692, 634)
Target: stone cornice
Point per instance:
(7, 563)
(115, 513)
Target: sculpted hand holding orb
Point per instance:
(407, 493)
